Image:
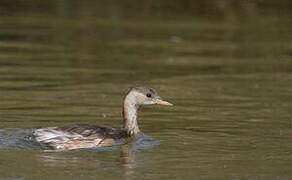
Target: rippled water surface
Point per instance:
(226, 67)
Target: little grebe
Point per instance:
(90, 136)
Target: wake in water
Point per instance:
(16, 138)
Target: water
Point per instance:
(225, 66)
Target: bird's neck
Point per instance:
(130, 115)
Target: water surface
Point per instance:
(226, 68)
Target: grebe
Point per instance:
(90, 136)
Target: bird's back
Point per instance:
(79, 136)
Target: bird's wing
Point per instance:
(85, 136)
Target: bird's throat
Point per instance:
(130, 115)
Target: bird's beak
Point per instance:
(161, 102)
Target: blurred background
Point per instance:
(226, 65)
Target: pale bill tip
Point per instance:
(165, 103)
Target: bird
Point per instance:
(83, 136)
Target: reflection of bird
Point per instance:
(89, 136)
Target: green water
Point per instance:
(226, 67)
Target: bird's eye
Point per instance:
(148, 95)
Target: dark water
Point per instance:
(226, 66)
